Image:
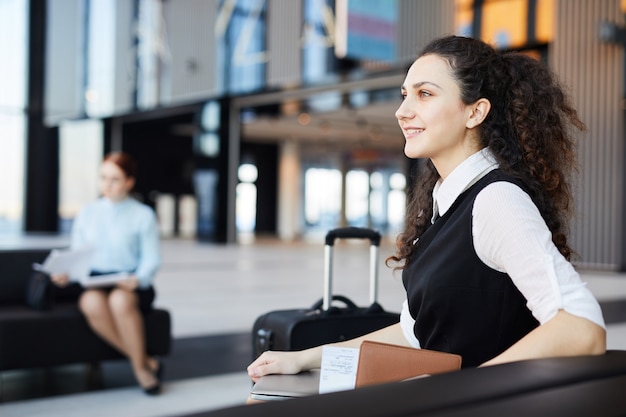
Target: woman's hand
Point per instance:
(271, 362)
(60, 280)
(129, 284)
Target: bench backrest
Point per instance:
(15, 267)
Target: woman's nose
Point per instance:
(402, 112)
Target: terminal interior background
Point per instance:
(265, 123)
(274, 118)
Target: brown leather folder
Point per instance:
(383, 362)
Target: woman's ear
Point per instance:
(480, 110)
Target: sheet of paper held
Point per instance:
(73, 262)
(104, 280)
(338, 370)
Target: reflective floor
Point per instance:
(214, 294)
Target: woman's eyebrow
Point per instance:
(421, 83)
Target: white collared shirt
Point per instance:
(511, 236)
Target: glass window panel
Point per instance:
(247, 173)
(370, 29)
(397, 181)
(376, 180)
(207, 144)
(397, 208)
(322, 197)
(205, 186)
(323, 102)
(318, 58)
(545, 21)
(463, 16)
(13, 38)
(359, 99)
(396, 200)
(357, 195)
(152, 52)
(211, 115)
(13, 81)
(246, 46)
(504, 22)
(12, 131)
(80, 154)
(100, 91)
(246, 207)
(378, 206)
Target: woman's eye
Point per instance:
(402, 96)
(423, 93)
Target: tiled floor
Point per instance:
(215, 289)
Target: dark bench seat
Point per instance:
(60, 336)
(557, 387)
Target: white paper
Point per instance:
(104, 280)
(338, 370)
(76, 263)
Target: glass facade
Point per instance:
(103, 89)
(318, 58)
(507, 24)
(153, 55)
(13, 85)
(244, 47)
(322, 198)
(80, 154)
(100, 88)
(367, 29)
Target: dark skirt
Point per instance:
(145, 296)
(73, 291)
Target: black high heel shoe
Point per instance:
(158, 372)
(154, 389)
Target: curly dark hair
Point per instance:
(528, 129)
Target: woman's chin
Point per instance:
(412, 153)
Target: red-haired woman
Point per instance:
(125, 237)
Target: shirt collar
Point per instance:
(114, 205)
(460, 179)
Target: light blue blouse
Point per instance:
(124, 236)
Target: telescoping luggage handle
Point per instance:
(350, 233)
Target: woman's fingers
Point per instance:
(274, 363)
(60, 280)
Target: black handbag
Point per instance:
(40, 291)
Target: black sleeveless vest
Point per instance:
(460, 305)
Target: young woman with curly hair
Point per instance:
(484, 254)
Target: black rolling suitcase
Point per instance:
(325, 323)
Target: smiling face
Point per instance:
(435, 122)
(114, 183)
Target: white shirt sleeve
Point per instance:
(407, 323)
(511, 236)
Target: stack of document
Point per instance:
(76, 264)
(345, 368)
